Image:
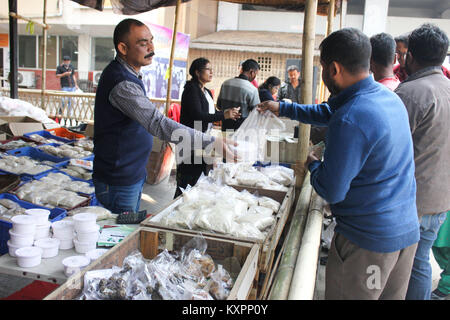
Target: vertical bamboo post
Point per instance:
(13, 46)
(331, 9)
(44, 56)
(309, 35)
(172, 51)
(343, 13)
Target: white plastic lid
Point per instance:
(95, 254)
(28, 252)
(83, 217)
(76, 261)
(38, 212)
(46, 243)
(23, 219)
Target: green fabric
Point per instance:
(442, 256)
(443, 238)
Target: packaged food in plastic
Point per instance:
(102, 213)
(261, 211)
(269, 203)
(220, 283)
(279, 174)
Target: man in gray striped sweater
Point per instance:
(239, 92)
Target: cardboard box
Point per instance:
(89, 132)
(19, 125)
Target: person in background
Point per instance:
(367, 173)
(426, 95)
(400, 54)
(253, 82)
(382, 60)
(239, 92)
(269, 89)
(198, 111)
(291, 90)
(125, 121)
(441, 252)
(66, 74)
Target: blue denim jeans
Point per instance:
(419, 287)
(67, 99)
(118, 199)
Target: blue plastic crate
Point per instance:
(55, 215)
(48, 135)
(266, 164)
(35, 154)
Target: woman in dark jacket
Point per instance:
(269, 89)
(197, 108)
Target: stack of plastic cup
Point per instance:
(87, 232)
(42, 223)
(63, 230)
(21, 234)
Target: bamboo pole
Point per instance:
(13, 46)
(304, 276)
(18, 16)
(172, 52)
(44, 57)
(284, 273)
(330, 19)
(309, 36)
(343, 13)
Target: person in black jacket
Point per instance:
(198, 111)
(269, 88)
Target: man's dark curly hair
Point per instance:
(428, 44)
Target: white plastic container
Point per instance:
(83, 247)
(42, 231)
(63, 229)
(24, 224)
(21, 240)
(12, 248)
(49, 246)
(41, 215)
(89, 236)
(28, 257)
(74, 264)
(65, 244)
(95, 254)
(84, 222)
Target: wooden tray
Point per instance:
(149, 242)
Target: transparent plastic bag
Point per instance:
(279, 174)
(220, 283)
(269, 203)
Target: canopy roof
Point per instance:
(131, 7)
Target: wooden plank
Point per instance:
(244, 283)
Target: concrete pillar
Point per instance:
(84, 55)
(375, 16)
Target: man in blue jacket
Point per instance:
(367, 173)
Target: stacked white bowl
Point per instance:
(21, 241)
(42, 223)
(22, 233)
(87, 232)
(63, 230)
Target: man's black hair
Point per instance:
(250, 64)
(428, 44)
(403, 39)
(350, 47)
(122, 30)
(383, 49)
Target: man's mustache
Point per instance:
(151, 54)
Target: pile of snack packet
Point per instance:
(188, 274)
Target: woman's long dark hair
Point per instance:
(270, 83)
(197, 65)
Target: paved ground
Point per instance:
(154, 198)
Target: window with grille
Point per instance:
(265, 64)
